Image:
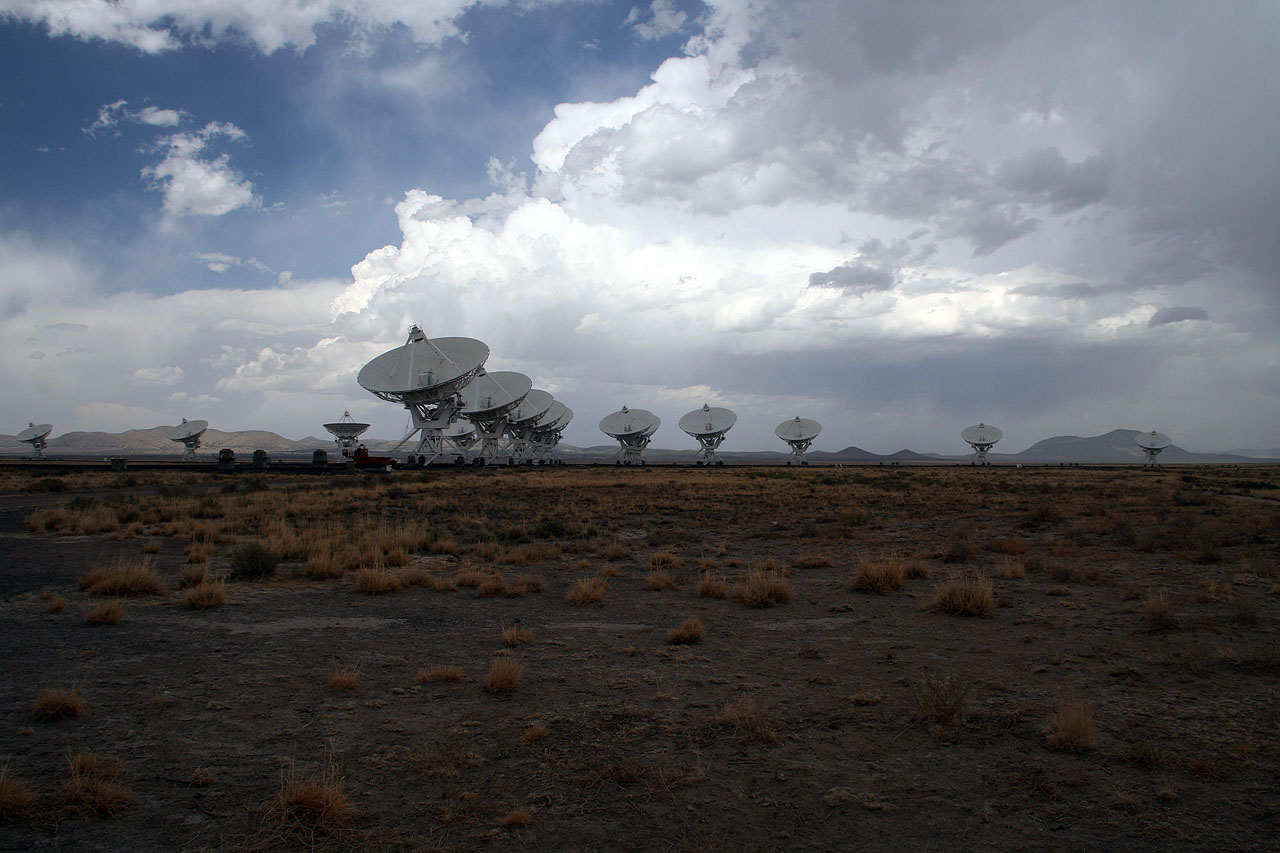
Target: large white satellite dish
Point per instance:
(425, 376)
(36, 435)
(459, 438)
(708, 425)
(486, 401)
(346, 431)
(798, 433)
(522, 421)
(188, 434)
(981, 437)
(1152, 443)
(546, 432)
(633, 429)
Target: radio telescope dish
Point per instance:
(36, 435)
(459, 437)
(546, 433)
(981, 437)
(425, 376)
(521, 422)
(798, 433)
(188, 433)
(486, 401)
(633, 429)
(1152, 443)
(345, 432)
(708, 425)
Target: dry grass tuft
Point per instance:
(660, 580)
(763, 589)
(190, 576)
(93, 784)
(111, 613)
(534, 732)
(323, 565)
(504, 675)
(57, 604)
(124, 576)
(1157, 611)
(587, 591)
(206, 595)
(515, 635)
(376, 581)
(317, 803)
(881, 576)
(712, 586)
(519, 817)
(343, 679)
(1012, 568)
(748, 718)
(59, 703)
(941, 698)
(867, 697)
(817, 561)
(1073, 729)
(665, 560)
(429, 675)
(964, 595)
(690, 631)
(16, 796)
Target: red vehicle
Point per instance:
(363, 460)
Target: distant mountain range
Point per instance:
(1115, 447)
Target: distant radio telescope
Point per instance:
(36, 435)
(346, 432)
(708, 425)
(522, 422)
(1152, 443)
(188, 433)
(546, 433)
(798, 433)
(981, 437)
(486, 401)
(633, 429)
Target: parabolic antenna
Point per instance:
(798, 433)
(546, 432)
(346, 431)
(36, 435)
(708, 425)
(1152, 443)
(633, 429)
(980, 437)
(425, 377)
(486, 401)
(188, 433)
(458, 439)
(523, 420)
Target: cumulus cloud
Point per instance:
(194, 184)
(1177, 314)
(157, 375)
(221, 262)
(659, 20)
(111, 115)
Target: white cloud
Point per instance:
(221, 262)
(194, 185)
(660, 20)
(111, 115)
(157, 375)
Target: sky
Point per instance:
(897, 219)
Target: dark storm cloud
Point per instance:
(1177, 314)
(1043, 175)
(876, 268)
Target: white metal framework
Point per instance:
(798, 433)
(1152, 443)
(633, 429)
(346, 432)
(522, 422)
(487, 400)
(981, 437)
(188, 433)
(709, 426)
(37, 436)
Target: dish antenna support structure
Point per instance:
(458, 439)
(522, 422)
(547, 432)
(981, 437)
(708, 425)
(425, 377)
(346, 432)
(798, 433)
(36, 435)
(633, 429)
(188, 433)
(1152, 443)
(486, 401)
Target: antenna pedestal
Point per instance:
(797, 451)
(707, 445)
(431, 420)
(632, 448)
(1151, 453)
(980, 454)
(490, 435)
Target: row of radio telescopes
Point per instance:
(456, 406)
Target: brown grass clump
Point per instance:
(58, 703)
(206, 595)
(1157, 611)
(660, 580)
(690, 631)
(317, 803)
(376, 581)
(712, 586)
(428, 675)
(343, 679)
(964, 595)
(515, 635)
(200, 552)
(528, 584)
(534, 732)
(93, 784)
(1073, 729)
(193, 575)
(519, 817)
(124, 576)
(111, 613)
(16, 796)
(504, 675)
(56, 604)
(941, 698)
(816, 561)
(470, 578)
(748, 718)
(881, 576)
(763, 589)
(587, 591)
(1012, 568)
(323, 565)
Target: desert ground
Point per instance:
(877, 658)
